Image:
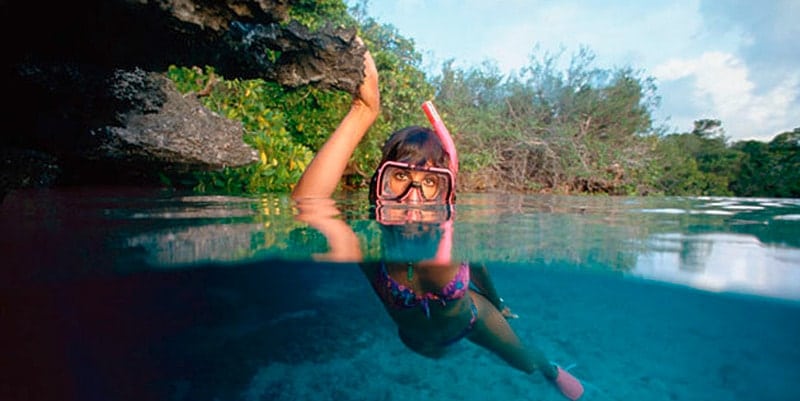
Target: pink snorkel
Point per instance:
(443, 253)
(443, 134)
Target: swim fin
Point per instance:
(568, 384)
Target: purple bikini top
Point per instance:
(399, 296)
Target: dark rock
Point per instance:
(24, 168)
(155, 137)
(86, 91)
(329, 60)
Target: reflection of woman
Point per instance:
(433, 302)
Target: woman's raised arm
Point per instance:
(323, 174)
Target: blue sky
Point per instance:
(733, 60)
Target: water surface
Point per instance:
(122, 293)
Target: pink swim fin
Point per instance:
(568, 384)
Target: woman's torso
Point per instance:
(440, 309)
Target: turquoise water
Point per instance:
(116, 294)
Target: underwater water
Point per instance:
(135, 294)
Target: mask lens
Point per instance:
(399, 181)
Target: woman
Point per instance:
(434, 302)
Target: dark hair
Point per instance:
(414, 145)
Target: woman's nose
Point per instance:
(414, 195)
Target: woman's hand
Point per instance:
(506, 311)
(368, 94)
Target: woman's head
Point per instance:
(413, 169)
(415, 145)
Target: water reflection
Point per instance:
(723, 262)
(704, 242)
(103, 297)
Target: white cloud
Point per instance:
(724, 90)
(722, 59)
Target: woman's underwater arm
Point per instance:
(323, 215)
(343, 244)
(480, 279)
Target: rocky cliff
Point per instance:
(86, 100)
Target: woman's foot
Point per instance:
(568, 384)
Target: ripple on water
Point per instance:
(787, 217)
(664, 211)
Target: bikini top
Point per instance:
(399, 296)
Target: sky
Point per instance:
(737, 61)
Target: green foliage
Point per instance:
(703, 163)
(582, 129)
(679, 173)
(252, 102)
(553, 127)
(785, 151)
(285, 125)
(769, 169)
(755, 175)
(699, 162)
(315, 14)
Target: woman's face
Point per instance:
(407, 184)
(424, 185)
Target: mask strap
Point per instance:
(442, 133)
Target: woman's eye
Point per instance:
(430, 181)
(401, 175)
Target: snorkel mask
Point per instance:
(407, 183)
(398, 182)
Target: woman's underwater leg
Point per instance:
(493, 332)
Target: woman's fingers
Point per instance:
(368, 92)
(508, 314)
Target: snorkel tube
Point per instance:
(444, 251)
(443, 134)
